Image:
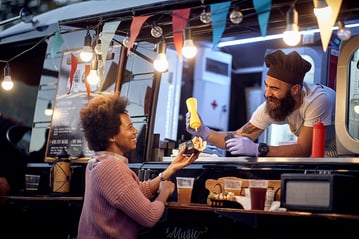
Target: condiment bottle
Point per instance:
(194, 122)
(318, 141)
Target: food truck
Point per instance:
(226, 77)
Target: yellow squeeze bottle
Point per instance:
(194, 122)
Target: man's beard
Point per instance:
(279, 109)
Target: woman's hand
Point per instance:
(165, 189)
(182, 160)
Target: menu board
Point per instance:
(71, 96)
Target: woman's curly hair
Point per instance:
(100, 120)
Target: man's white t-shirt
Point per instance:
(318, 102)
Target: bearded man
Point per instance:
(288, 100)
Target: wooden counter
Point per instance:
(48, 216)
(235, 211)
(202, 221)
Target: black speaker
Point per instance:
(320, 193)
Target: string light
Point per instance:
(126, 41)
(205, 16)
(160, 63)
(156, 31)
(321, 9)
(93, 77)
(189, 50)
(87, 54)
(236, 16)
(98, 47)
(291, 36)
(49, 111)
(7, 83)
(343, 32)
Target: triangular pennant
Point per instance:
(263, 8)
(108, 32)
(56, 43)
(72, 72)
(326, 25)
(219, 13)
(179, 22)
(135, 28)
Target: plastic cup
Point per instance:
(269, 199)
(233, 185)
(184, 190)
(32, 184)
(258, 191)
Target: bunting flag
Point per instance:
(219, 12)
(135, 28)
(56, 43)
(326, 25)
(108, 32)
(72, 72)
(263, 9)
(88, 90)
(179, 22)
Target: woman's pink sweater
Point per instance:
(116, 203)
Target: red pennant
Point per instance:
(73, 70)
(135, 28)
(87, 72)
(179, 22)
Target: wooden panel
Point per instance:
(217, 186)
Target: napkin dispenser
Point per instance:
(320, 193)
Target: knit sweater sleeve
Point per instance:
(146, 190)
(124, 192)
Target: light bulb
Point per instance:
(343, 32)
(236, 16)
(291, 38)
(7, 83)
(205, 16)
(156, 31)
(93, 78)
(189, 50)
(356, 109)
(322, 10)
(161, 63)
(126, 41)
(323, 13)
(87, 53)
(98, 47)
(48, 111)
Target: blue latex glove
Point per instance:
(202, 131)
(240, 145)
